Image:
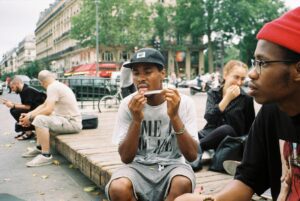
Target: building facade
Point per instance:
(26, 51)
(8, 63)
(53, 43)
(52, 36)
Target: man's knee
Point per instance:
(40, 120)
(180, 185)
(121, 188)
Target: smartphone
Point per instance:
(2, 100)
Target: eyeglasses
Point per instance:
(259, 64)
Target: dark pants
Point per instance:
(213, 139)
(125, 91)
(16, 113)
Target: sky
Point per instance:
(18, 19)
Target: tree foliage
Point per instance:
(130, 23)
(162, 22)
(31, 69)
(121, 23)
(225, 19)
(261, 12)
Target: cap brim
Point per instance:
(130, 64)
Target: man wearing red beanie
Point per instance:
(272, 154)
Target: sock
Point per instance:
(46, 155)
(39, 147)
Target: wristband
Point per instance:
(30, 118)
(208, 199)
(181, 131)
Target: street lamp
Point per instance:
(97, 39)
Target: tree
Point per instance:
(262, 11)
(33, 68)
(162, 23)
(226, 19)
(122, 23)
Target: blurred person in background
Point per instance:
(126, 81)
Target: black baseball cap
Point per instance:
(147, 55)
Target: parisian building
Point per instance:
(19, 56)
(26, 51)
(8, 63)
(54, 44)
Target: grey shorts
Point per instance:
(150, 184)
(57, 124)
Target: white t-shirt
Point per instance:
(126, 77)
(157, 143)
(65, 100)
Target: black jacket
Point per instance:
(239, 114)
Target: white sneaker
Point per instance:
(230, 166)
(208, 155)
(31, 152)
(39, 160)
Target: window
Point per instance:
(125, 55)
(107, 56)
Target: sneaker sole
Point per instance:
(38, 165)
(29, 156)
(230, 166)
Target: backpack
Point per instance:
(230, 148)
(89, 121)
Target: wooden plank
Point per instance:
(96, 157)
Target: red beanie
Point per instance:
(284, 31)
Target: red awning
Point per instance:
(105, 69)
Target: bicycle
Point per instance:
(110, 102)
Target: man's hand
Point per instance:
(173, 101)
(136, 106)
(2, 100)
(24, 120)
(8, 103)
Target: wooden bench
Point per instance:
(97, 158)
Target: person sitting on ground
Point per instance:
(126, 82)
(272, 154)
(229, 110)
(154, 132)
(59, 113)
(30, 99)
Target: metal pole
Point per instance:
(97, 39)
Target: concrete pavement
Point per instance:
(54, 182)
